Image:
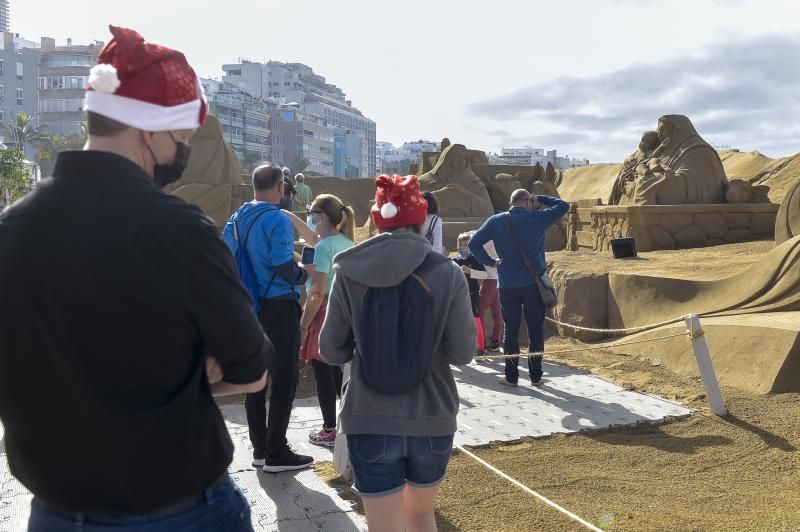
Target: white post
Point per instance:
(701, 353)
(341, 458)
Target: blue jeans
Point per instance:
(513, 302)
(383, 465)
(222, 509)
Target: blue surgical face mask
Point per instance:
(463, 252)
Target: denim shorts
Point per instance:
(384, 464)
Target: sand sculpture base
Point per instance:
(757, 352)
(657, 227)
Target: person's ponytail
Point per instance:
(348, 225)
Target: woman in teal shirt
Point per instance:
(335, 229)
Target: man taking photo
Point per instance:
(519, 237)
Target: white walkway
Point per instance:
(569, 401)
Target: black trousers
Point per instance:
(280, 320)
(329, 387)
(513, 303)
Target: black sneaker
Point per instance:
(288, 460)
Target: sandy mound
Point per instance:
(744, 165)
(596, 180)
(780, 177)
(589, 182)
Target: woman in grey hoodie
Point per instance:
(399, 444)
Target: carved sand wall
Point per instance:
(682, 226)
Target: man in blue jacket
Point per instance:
(269, 239)
(518, 290)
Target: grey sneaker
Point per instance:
(504, 382)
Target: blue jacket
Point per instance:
(270, 244)
(530, 227)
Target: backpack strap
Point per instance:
(431, 262)
(243, 243)
(431, 227)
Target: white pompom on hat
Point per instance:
(389, 210)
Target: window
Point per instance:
(62, 60)
(2, 117)
(61, 105)
(2, 67)
(19, 96)
(75, 82)
(19, 71)
(2, 93)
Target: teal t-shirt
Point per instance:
(324, 252)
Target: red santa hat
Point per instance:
(398, 202)
(145, 86)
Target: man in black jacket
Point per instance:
(121, 315)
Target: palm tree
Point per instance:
(22, 131)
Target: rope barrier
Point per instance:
(616, 332)
(580, 349)
(522, 486)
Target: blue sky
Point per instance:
(583, 76)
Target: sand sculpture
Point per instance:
(683, 169)
(752, 350)
(213, 176)
(787, 224)
(460, 192)
(740, 191)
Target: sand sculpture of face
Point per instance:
(649, 142)
(665, 129)
(458, 159)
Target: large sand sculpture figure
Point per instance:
(787, 225)
(683, 169)
(459, 192)
(212, 175)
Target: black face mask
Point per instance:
(164, 174)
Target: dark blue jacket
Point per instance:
(271, 248)
(530, 227)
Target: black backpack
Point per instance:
(397, 336)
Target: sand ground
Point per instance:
(702, 473)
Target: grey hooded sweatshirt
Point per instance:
(429, 409)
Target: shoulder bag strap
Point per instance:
(521, 250)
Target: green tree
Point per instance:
(15, 177)
(22, 131)
(299, 164)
